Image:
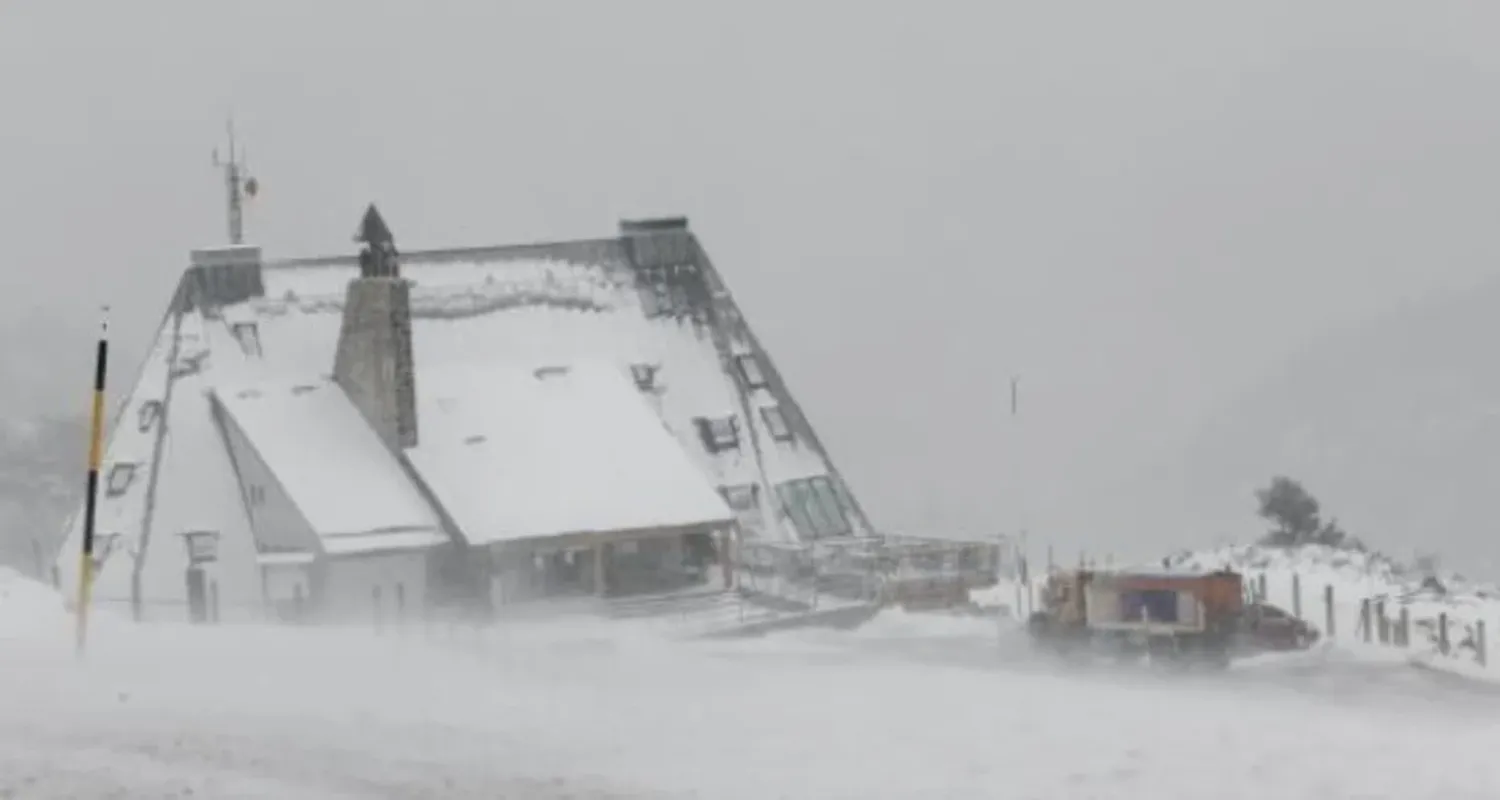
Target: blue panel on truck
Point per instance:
(1159, 604)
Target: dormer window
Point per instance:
(147, 415)
(776, 423)
(248, 335)
(750, 371)
(719, 433)
(645, 376)
(744, 497)
(120, 476)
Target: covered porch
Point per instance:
(609, 563)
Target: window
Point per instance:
(248, 335)
(794, 505)
(120, 476)
(813, 506)
(743, 497)
(189, 364)
(827, 498)
(719, 433)
(645, 376)
(147, 415)
(776, 423)
(744, 501)
(750, 370)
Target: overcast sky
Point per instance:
(1139, 207)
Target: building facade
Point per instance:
(381, 433)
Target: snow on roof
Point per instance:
(535, 312)
(286, 559)
(511, 455)
(331, 463)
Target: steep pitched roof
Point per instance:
(649, 301)
(342, 479)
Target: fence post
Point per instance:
(1297, 595)
(1364, 619)
(1382, 623)
(1328, 615)
(1443, 633)
(1404, 634)
(1480, 644)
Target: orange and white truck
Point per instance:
(1181, 617)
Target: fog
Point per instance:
(909, 706)
(1141, 209)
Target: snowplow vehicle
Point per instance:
(1175, 617)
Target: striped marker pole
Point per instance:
(96, 446)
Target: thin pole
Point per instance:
(235, 186)
(232, 185)
(96, 447)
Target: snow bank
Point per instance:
(1356, 576)
(29, 608)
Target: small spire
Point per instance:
(378, 256)
(372, 229)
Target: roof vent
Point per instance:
(639, 227)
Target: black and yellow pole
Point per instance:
(96, 446)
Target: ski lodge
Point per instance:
(468, 428)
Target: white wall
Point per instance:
(347, 591)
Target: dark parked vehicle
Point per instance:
(1271, 628)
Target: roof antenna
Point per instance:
(238, 186)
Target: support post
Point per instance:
(600, 577)
(1443, 633)
(1382, 622)
(1329, 618)
(1260, 587)
(1296, 595)
(1480, 652)
(1364, 619)
(1404, 631)
(726, 558)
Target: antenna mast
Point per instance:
(237, 186)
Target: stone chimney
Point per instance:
(373, 363)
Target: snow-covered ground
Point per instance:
(910, 706)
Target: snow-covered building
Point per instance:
(374, 432)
